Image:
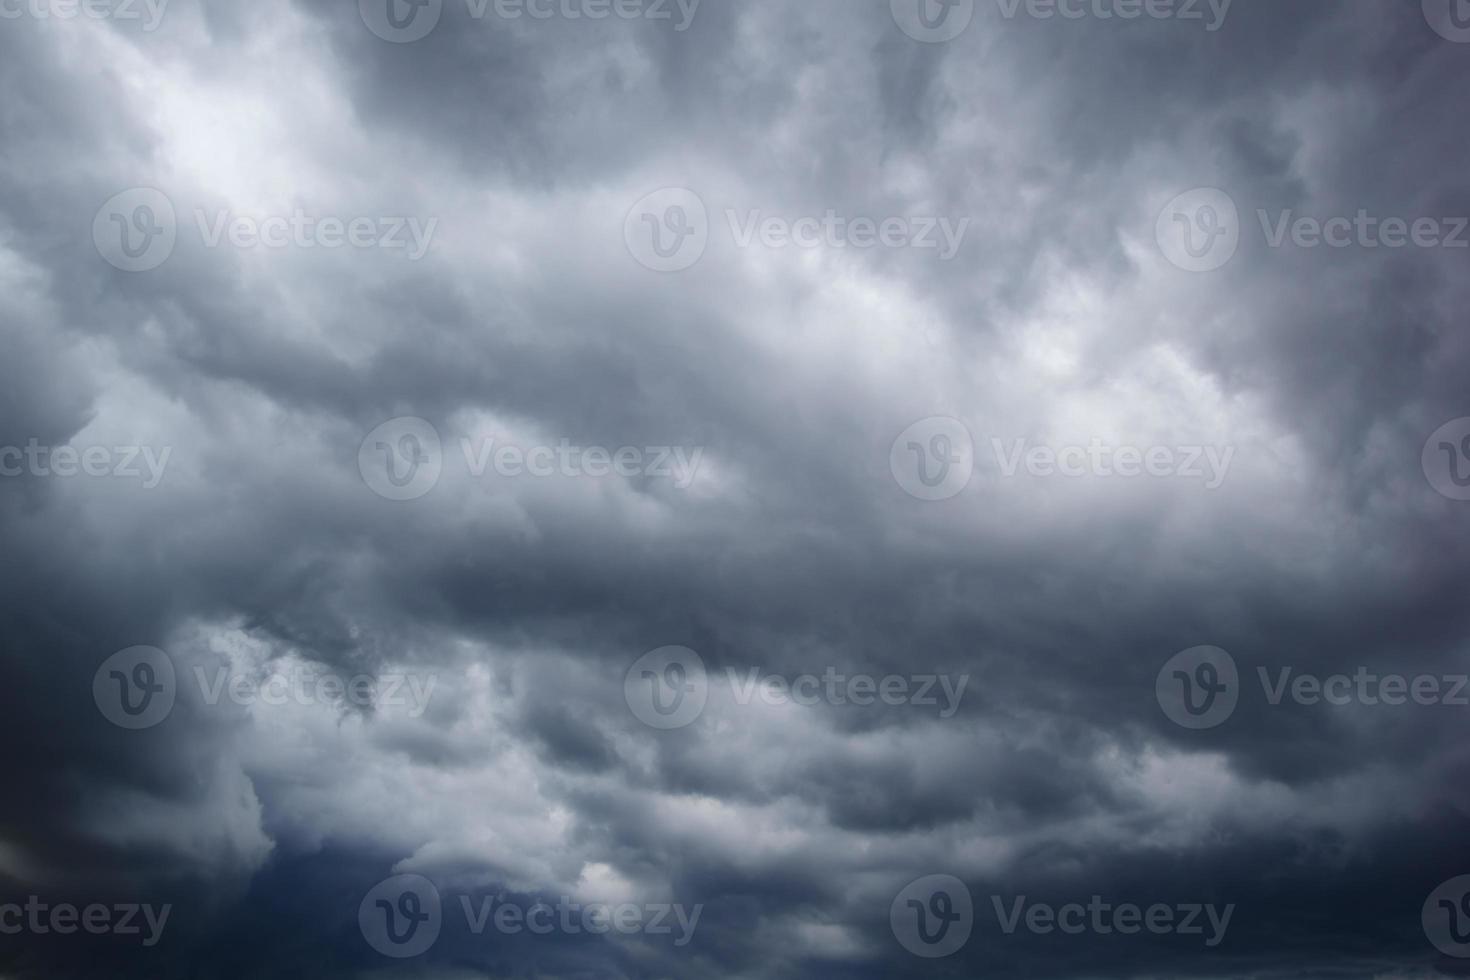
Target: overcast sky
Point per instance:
(842, 488)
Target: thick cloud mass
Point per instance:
(501, 755)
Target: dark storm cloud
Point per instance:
(526, 776)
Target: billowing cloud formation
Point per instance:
(717, 464)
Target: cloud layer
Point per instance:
(441, 381)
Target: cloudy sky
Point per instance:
(739, 489)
